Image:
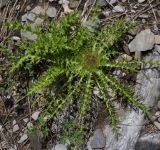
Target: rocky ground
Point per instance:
(16, 115)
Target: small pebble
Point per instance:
(29, 125)
(157, 113)
(23, 138)
(51, 12)
(141, 1)
(118, 9)
(26, 120)
(35, 115)
(14, 122)
(15, 128)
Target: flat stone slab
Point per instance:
(142, 42)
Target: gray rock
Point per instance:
(23, 138)
(119, 9)
(35, 115)
(141, 1)
(142, 42)
(15, 128)
(157, 48)
(157, 124)
(24, 18)
(60, 147)
(29, 35)
(51, 12)
(102, 3)
(148, 142)
(31, 17)
(98, 140)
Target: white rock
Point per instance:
(35, 115)
(15, 128)
(14, 122)
(141, 1)
(157, 124)
(29, 125)
(16, 38)
(142, 42)
(118, 8)
(157, 39)
(157, 114)
(60, 147)
(51, 12)
(23, 138)
(26, 120)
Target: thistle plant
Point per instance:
(84, 59)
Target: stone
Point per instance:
(23, 138)
(157, 114)
(73, 4)
(148, 142)
(98, 140)
(157, 124)
(28, 8)
(157, 39)
(24, 18)
(157, 48)
(51, 12)
(60, 147)
(35, 115)
(29, 125)
(145, 16)
(15, 38)
(14, 122)
(25, 120)
(31, 17)
(102, 3)
(38, 21)
(38, 10)
(142, 42)
(30, 36)
(118, 9)
(15, 128)
(143, 21)
(141, 1)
